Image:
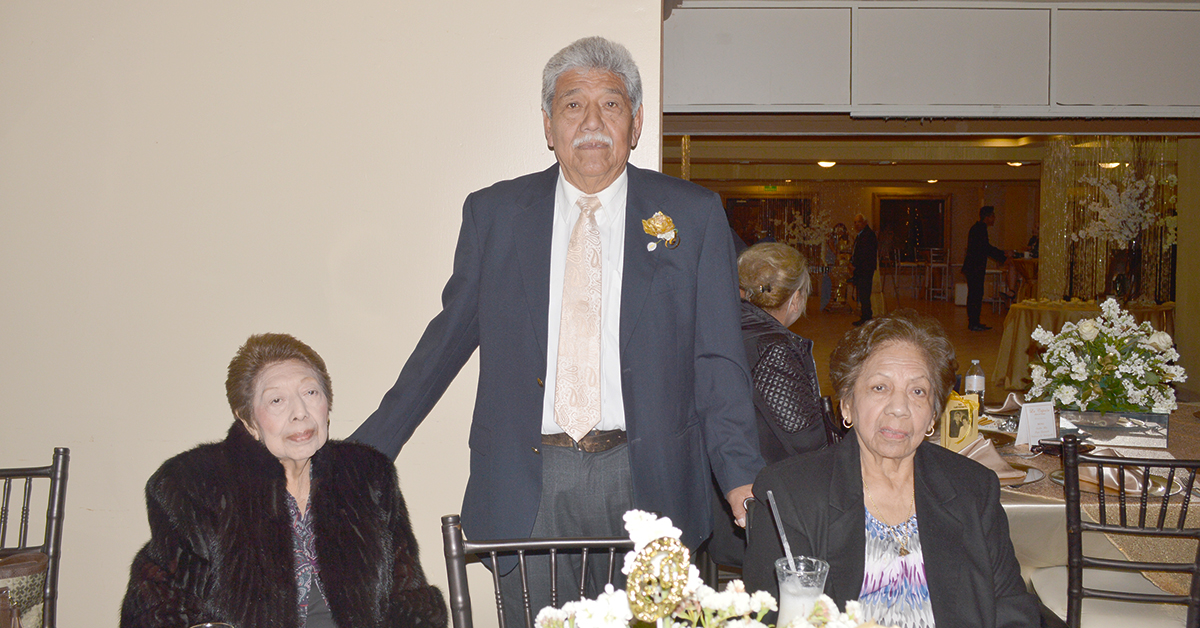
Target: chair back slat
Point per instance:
(553, 576)
(26, 498)
(4, 511)
(1188, 487)
(1180, 473)
(1164, 500)
(458, 550)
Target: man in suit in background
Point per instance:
(862, 263)
(979, 249)
(603, 301)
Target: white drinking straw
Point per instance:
(787, 550)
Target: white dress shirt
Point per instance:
(611, 221)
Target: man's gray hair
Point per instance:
(593, 53)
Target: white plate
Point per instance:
(1032, 474)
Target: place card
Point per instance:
(1037, 422)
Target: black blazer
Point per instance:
(979, 249)
(866, 254)
(684, 377)
(972, 571)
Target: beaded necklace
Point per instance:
(902, 542)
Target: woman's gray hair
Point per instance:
(769, 273)
(593, 53)
(924, 333)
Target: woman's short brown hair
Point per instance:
(259, 352)
(769, 273)
(906, 325)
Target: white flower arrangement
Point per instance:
(1107, 364)
(814, 233)
(1125, 210)
(701, 606)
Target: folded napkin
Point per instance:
(1012, 403)
(1134, 480)
(982, 450)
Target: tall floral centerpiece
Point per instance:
(1119, 215)
(1123, 210)
(665, 589)
(815, 233)
(1111, 365)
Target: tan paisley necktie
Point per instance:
(577, 379)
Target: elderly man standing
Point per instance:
(603, 300)
(862, 263)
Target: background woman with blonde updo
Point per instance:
(774, 279)
(775, 285)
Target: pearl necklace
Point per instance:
(902, 542)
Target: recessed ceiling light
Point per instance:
(931, 181)
(1109, 164)
(1015, 164)
(826, 164)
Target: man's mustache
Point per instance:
(592, 138)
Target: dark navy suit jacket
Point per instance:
(683, 368)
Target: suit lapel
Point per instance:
(847, 522)
(937, 524)
(640, 265)
(533, 227)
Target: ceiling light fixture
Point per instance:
(826, 164)
(1015, 164)
(931, 181)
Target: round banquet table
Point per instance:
(1037, 512)
(1017, 348)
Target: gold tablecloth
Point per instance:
(1027, 270)
(1017, 348)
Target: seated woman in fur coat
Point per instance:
(277, 525)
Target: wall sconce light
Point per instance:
(826, 164)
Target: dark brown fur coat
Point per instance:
(221, 542)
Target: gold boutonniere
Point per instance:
(662, 227)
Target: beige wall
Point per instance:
(177, 176)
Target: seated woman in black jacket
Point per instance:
(911, 530)
(277, 525)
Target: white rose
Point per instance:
(1161, 341)
(1088, 329)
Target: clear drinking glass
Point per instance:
(801, 582)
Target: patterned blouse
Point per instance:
(304, 548)
(894, 590)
